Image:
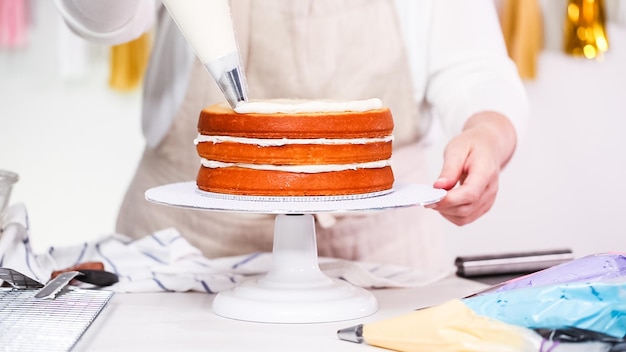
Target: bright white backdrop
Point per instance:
(75, 144)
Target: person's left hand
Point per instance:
(473, 161)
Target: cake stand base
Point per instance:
(295, 290)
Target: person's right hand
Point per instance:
(471, 168)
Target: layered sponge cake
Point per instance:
(295, 148)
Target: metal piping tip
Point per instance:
(230, 78)
(232, 84)
(352, 334)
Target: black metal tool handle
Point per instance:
(97, 277)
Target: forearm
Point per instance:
(110, 21)
(470, 71)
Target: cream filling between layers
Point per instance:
(292, 106)
(262, 142)
(309, 169)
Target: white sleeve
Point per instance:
(468, 66)
(108, 22)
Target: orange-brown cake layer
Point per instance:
(221, 120)
(295, 154)
(241, 181)
(309, 141)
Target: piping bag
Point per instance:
(575, 306)
(208, 27)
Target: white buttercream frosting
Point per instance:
(311, 169)
(262, 142)
(286, 106)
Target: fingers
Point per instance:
(471, 167)
(474, 196)
(453, 164)
(462, 208)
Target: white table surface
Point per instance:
(185, 322)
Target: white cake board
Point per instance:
(187, 195)
(294, 290)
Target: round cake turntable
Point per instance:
(294, 290)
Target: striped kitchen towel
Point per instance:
(165, 261)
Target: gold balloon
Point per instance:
(585, 30)
(128, 63)
(522, 28)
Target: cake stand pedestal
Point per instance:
(294, 290)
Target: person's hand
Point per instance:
(473, 161)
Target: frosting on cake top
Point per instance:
(286, 106)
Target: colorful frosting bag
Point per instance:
(587, 293)
(592, 268)
(454, 327)
(572, 307)
(599, 306)
(449, 327)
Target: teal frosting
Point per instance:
(599, 306)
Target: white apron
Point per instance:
(313, 49)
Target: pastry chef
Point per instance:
(449, 64)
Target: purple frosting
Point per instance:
(592, 268)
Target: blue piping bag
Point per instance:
(599, 306)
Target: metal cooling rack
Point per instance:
(31, 324)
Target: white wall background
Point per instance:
(566, 186)
(75, 144)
